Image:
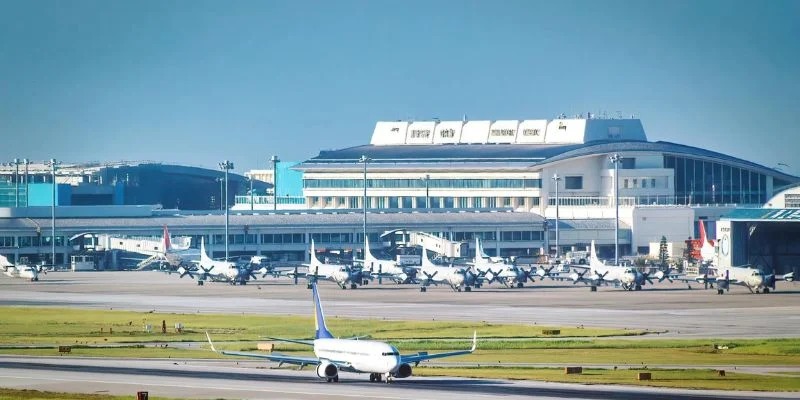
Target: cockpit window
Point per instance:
(391, 353)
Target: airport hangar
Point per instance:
(768, 237)
(664, 188)
(282, 235)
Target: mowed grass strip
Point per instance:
(20, 394)
(687, 379)
(33, 325)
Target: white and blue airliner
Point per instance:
(381, 360)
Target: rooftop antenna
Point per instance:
(464, 119)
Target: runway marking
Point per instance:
(208, 387)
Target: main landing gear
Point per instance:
(376, 377)
(334, 379)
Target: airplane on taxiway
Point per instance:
(331, 355)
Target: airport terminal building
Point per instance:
(664, 188)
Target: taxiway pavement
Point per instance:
(215, 379)
(668, 307)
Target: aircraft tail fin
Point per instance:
(593, 260)
(167, 244)
(4, 261)
(702, 227)
(426, 262)
(479, 253)
(314, 260)
(367, 253)
(204, 259)
(319, 317)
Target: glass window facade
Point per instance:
(420, 184)
(707, 182)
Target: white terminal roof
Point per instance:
(556, 131)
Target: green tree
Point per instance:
(663, 254)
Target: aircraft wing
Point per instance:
(296, 341)
(280, 358)
(423, 356)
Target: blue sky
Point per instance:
(197, 82)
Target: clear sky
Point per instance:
(197, 82)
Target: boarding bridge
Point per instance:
(148, 246)
(443, 246)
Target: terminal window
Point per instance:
(575, 182)
(792, 200)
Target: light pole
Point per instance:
(251, 193)
(16, 163)
(220, 192)
(226, 166)
(556, 179)
(26, 162)
(274, 159)
(52, 165)
(427, 179)
(365, 160)
(616, 159)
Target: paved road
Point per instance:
(665, 307)
(198, 379)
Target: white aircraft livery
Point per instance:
(18, 271)
(389, 269)
(381, 360)
(340, 274)
(628, 277)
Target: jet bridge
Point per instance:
(443, 246)
(768, 238)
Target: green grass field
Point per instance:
(26, 325)
(15, 394)
(688, 379)
(502, 344)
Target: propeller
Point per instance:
(600, 278)
(429, 277)
(185, 271)
(545, 272)
(769, 281)
(528, 274)
(380, 274)
(578, 276)
(664, 274)
(646, 276)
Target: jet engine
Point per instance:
(403, 371)
(327, 370)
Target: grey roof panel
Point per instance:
(431, 221)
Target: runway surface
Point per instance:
(664, 307)
(216, 379)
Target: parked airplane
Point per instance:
(217, 271)
(338, 273)
(177, 257)
(455, 277)
(498, 269)
(19, 271)
(388, 269)
(628, 277)
(331, 355)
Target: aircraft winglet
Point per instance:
(474, 341)
(211, 343)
